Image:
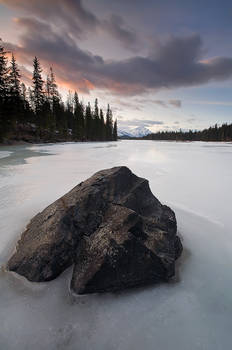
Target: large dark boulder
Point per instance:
(111, 227)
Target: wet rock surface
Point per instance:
(111, 227)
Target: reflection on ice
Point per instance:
(193, 312)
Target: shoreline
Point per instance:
(15, 142)
(186, 141)
(24, 143)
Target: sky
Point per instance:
(161, 64)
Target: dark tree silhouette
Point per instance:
(4, 93)
(115, 131)
(14, 78)
(38, 113)
(215, 133)
(109, 124)
(38, 94)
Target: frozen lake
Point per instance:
(192, 312)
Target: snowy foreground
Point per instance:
(192, 312)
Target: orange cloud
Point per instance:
(83, 86)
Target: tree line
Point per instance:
(215, 133)
(38, 113)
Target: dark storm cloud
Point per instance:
(176, 63)
(116, 27)
(72, 17)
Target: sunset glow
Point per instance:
(97, 50)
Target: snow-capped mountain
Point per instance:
(124, 134)
(140, 131)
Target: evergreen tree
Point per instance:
(54, 101)
(109, 124)
(16, 112)
(4, 70)
(88, 122)
(102, 136)
(38, 93)
(4, 90)
(115, 131)
(53, 87)
(23, 91)
(14, 78)
(76, 121)
(27, 115)
(82, 121)
(30, 98)
(215, 133)
(68, 114)
(46, 119)
(48, 89)
(96, 122)
(40, 111)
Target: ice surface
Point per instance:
(192, 312)
(4, 154)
